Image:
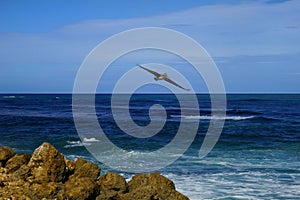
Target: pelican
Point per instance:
(163, 76)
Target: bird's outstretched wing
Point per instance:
(151, 71)
(174, 83)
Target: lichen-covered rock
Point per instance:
(79, 162)
(70, 165)
(17, 161)
(88, 169)
(177, 195)
(5, 154)
(22, 173)
(152, 186)
(111, 185)
(15, 190)
(47, 164)
(144, 193)
(44, 190)
(81, 188)
(46, 175)
(154, 179)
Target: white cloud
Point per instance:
(248, 29)
(225, 30)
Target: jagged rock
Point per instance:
(5, 154)
(22, 173)
(48, 176)
(177, 195)
(81, 188)
(111, 185)
(87, 169)
(44, 190)
(70, 167)
(81, 184)
(79, 162)
(2, 183)
(15, 190)
(47, 164)
(144, 193)
(153, 179)
(152, 186)
(17, 161)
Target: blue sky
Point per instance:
(255, 44)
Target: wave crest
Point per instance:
(79, 143)
(214, 117)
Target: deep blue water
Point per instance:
(256, 157)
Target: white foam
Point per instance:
(90, 140)
(86, 141)
(9, 97)
(219, 185)
(215, 117)
(73, 144)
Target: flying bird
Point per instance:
(163, 76)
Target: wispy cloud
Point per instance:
(252, 28)
(225, 30)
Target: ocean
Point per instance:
(256, 157)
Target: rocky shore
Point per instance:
(46, 174)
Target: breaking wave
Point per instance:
(208, 117)
(79, 143)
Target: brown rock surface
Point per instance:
(17, 161)
(80, 188)
(22, 173)
(79, 162)
(5, 154)
(47, 164)
(87, 169)
(46, 175)
(70, 166)
(111, 186)
(152, 186)
(44, 190)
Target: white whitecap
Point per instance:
(215, 117)
(90, 140)
(9, 97)
(73, 144)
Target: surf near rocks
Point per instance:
(46, 174)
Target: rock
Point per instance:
(144, 193)
(79, 162)
(17, 161)
(87, 169)
(81, 188)
(5, 154)
(47, 164)
(44, 190)
(152, 186)
(2, 183)
(22, 173)
(70, 167)
(82, 183)
(15, 190)
(177, 195)
(111, 185)
(46, 175)
(154, 179)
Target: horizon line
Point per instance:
(146, 93)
